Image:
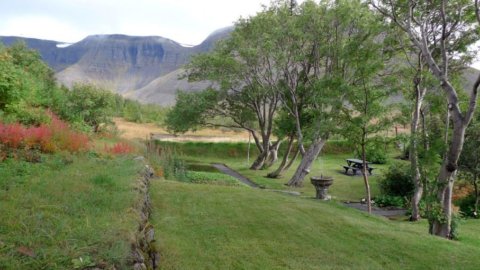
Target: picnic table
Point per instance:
(355, 165)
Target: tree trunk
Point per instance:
(448, 170)
(272, 155)
(258, 163)
(308, 158)
(292, 159)
(417, 178)
(283, 165)
(365, 175)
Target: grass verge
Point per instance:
(67, 212)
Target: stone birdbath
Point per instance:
(322, 183)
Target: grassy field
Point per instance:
(65, 208)
(345, 187)
(214, 227)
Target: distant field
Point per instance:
(130, 130)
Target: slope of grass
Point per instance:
(66, 208)
(214, 227)
(345, 187)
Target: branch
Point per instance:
(473, 101)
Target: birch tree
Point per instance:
(435, 28)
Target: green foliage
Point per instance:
(89, 104)
(397, 180)
(376, 154)
(388, 200)
(191, 110)
(82, 262)
(467, 205)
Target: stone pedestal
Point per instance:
(321, 184)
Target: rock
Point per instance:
(139, 158)
(149, 172)
(150, 234)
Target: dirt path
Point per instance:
(226, 170)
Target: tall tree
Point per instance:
(340, 31)
(436, 28)
(244, 86)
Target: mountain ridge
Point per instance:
(145, 68)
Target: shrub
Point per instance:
(48, 138)
(120, 148)
(397, 181)
(387, 200)
(467, 205)
(376, 154)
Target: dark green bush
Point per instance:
(376, 154)
(397, 181)
(387, 200)
(467, 205)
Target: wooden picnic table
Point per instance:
(356, 164)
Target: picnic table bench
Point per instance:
(356, 165)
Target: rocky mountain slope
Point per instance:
(143, 68)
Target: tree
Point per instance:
(244, 86)
(339, 33)
(437, 29)
(90, 105)
(366, 111)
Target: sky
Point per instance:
(185, 21)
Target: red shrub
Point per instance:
(48, 138)
(119, 148)
(39, 136)
(12, 135)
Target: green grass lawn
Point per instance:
(66, 208)
(344, 188)
(218, 227)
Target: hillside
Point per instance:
(144, 68)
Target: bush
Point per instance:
(48, 138)
(387, 200)
(467, 205)
(120, 148)
(376, 154)
(397, 181)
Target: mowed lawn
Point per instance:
(67, 212)
(202, 226)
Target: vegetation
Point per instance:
(207, 226)
(66, 208)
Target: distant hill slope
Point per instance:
(143, 68)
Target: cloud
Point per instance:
(185, 21)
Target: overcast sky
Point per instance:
(185, 21)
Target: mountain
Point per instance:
(144, 68)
